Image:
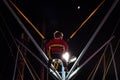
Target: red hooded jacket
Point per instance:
(56, 46)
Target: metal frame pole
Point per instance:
(63, 72)
(114, 63)
(25, 29)
(74, 72)
(92, 38)
(37, 58)
(27, 32)
(62, 68)
(111, 60)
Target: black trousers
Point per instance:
(57, 56)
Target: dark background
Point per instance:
(62, 15)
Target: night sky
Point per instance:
(66, 16)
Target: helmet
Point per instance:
(58, 34)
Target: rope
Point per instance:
(73, 34)
(32, 25)
(92, 38)
(19, 50)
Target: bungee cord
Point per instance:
(10, 48)
(30, 36)
(95, 53)
(92, 38)
(73, 36)
(32, 25)
(94, 11)
(13, 39)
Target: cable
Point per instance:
(92, 38)
(18, 48)
(99, 62)
(107, 68)
(31, 37)
(20, 43)
(73, 34)
(33, 26)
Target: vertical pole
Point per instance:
(30, 36)
(104, 64)
(114, 63)
(92, 38)
(63, 71)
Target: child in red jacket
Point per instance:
(56, 46)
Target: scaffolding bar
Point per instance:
(73, 73)
(25, 29)
(54, 73)
(92, 38)
(27, 32)
(114, 63)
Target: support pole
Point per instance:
(30, 36)
(111, 60)
(95, 53)
(26, 31)
(114, 63)
(37, 58)
(63, 72)
(92, 38)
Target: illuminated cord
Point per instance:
(33, 26)
(73, 34)
(57, 75)
(10, 49)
